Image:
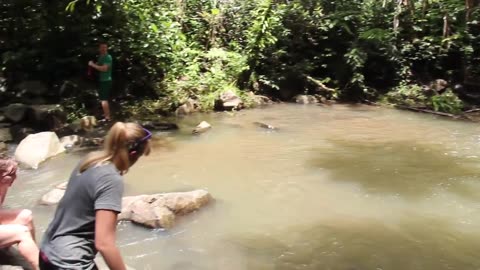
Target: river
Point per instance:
(345, 187)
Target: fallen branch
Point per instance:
(472, 111)
(320, 84)
(455, 116)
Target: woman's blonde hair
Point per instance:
(116, 147)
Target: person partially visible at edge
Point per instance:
(104, 68)
(16, 225)
(86, 217)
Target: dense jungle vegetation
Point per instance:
(167, 51)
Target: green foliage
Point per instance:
(177, 49)
(205, 76)
(407, 95)
(447, 102)
(415, 96)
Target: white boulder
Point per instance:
(36, 148)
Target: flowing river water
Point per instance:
(335, 187)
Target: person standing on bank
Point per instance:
(86, 218)
(104, 67)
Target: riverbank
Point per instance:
(19, 120)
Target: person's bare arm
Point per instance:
(102, 68)
(105, 237)
(3, 192)
(8, 174)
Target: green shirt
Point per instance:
(105, 60)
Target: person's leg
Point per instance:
(18, 216)
(104, 95)
(106, 109)
(11, 234)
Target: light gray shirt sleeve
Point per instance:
(109, 193)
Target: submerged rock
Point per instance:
(158, 125)
(202, 127)
(36, 148)
(263, 125)
(52, 197)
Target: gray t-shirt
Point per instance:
(69, 242)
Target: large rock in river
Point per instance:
(36, 148)
(159, 210)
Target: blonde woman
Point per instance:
(86, 217)
(16, 225)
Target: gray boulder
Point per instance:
(228, 100)
(36, 88)
(160, 210)
(15, 112)
(46, 117)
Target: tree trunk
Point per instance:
(396, 18)
(410, 6)
(446, 26)
(469, 5)
(425, 5)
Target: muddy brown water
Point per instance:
(335, 187)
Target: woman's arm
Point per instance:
(105, 238)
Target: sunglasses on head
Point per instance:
(136, 146)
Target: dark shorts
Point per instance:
(104, 90)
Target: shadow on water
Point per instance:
(419, 243)
(404, 168)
